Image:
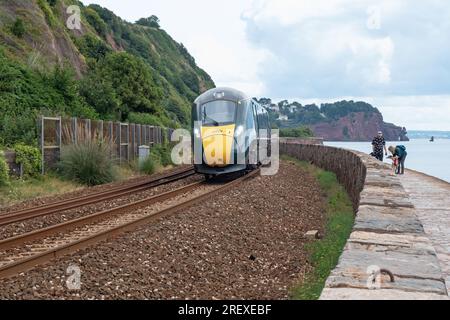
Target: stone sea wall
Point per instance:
(388, 255)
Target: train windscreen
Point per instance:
(218, 113)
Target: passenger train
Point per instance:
(231, 132)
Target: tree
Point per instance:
(100, 94)
(152, 22)
(122, 83)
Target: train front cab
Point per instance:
(226, 130)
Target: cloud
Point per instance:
(414, 112)
(361, 48)
(212, 32)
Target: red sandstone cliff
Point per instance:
(358, 126)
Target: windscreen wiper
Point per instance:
(216, 124)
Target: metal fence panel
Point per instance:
(124, 138)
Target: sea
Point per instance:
(432, 158)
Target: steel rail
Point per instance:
(72, 224)
(77, 202)
(27, 263)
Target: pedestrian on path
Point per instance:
(400, 153)
(378, 144)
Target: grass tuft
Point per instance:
(88, 163)
(20, 190)
(325, 253)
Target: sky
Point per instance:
(394, 54)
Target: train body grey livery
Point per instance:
(231, 132)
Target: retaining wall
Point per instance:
(387, 238)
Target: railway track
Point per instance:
(76, 202)
(23, 252)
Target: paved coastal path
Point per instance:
(431, 197)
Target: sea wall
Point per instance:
(312, 140)
(388, 255)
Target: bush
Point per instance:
(302, 132)
(148, 166)
(4, 171)
(25, 94)
(152, 22)
(88, 163)
(96, 21)
(18, 28)
(30, 158)
(163, 154)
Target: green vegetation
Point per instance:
(4, 171)
(30, 158)
(25, 93)
(20, 190)
(18, 28)
(303, 115)
(48, 12)
(152, 22)
(113, 70)
(162, 154)
(302, 132)
(325, 253)
(124, 84)
(126, 72)
(88, 163)
(92, 47)
(160, 157)
(148, 166)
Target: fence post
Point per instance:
(74, 130)
(42, 145)
(60, 137)
(100, 129)
(111, 137)
(87, 128)
(133, 142)
(128, 142)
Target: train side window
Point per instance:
(255, 115)
(250, 118)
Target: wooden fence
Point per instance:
(124, 138)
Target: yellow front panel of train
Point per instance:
(218, 145)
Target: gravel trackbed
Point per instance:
(245, 244)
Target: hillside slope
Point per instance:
(339, 121)
(37, 49)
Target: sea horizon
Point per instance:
(424, 156)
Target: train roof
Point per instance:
(221, 93)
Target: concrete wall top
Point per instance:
(388, 238)
(318, 141)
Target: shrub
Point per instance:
(18, 28)
(4, 171)
(163, 153)
(96, 21)
(25, 94)
(87, 162)
(152, 22)
(30, 158)
(302, 132)
(148, 166)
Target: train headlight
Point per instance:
(197, 132)
(239, 130)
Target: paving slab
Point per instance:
(387, 220)
(383, 294)
(431, 197)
